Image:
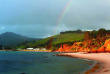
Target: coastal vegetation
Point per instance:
(94, 41)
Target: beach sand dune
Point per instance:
(104, 58)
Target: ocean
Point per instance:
(19, 62)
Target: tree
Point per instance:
(78, 31)
(91, 35)
(101, 33)
(1, 47)
(86, 35)
(49, 43)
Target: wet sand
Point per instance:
(103, 65)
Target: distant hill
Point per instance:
(56, 41)
(13, 39)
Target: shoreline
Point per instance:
(37, 50)
(30, 50)
(103, 62)
(94, 68)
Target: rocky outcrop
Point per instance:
(105, 47)
(83, 47)
(64, 48)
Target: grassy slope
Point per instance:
(57, 39)
(70, 37)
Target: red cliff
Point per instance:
(85, 47)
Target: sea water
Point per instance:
(19, 62)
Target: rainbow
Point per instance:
(65, 10)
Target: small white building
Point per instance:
(30, 48)
(37, 49)
(43, 48)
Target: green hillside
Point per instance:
(55, 41)
(70, 37)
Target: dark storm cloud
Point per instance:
(30, 11)
(38, 18)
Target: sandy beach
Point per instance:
(103, 58)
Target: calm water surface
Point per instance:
(18, 62)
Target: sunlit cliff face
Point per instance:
(77, 48)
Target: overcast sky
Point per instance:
(38, 18)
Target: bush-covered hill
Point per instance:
(94, 41)
(11, 39)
